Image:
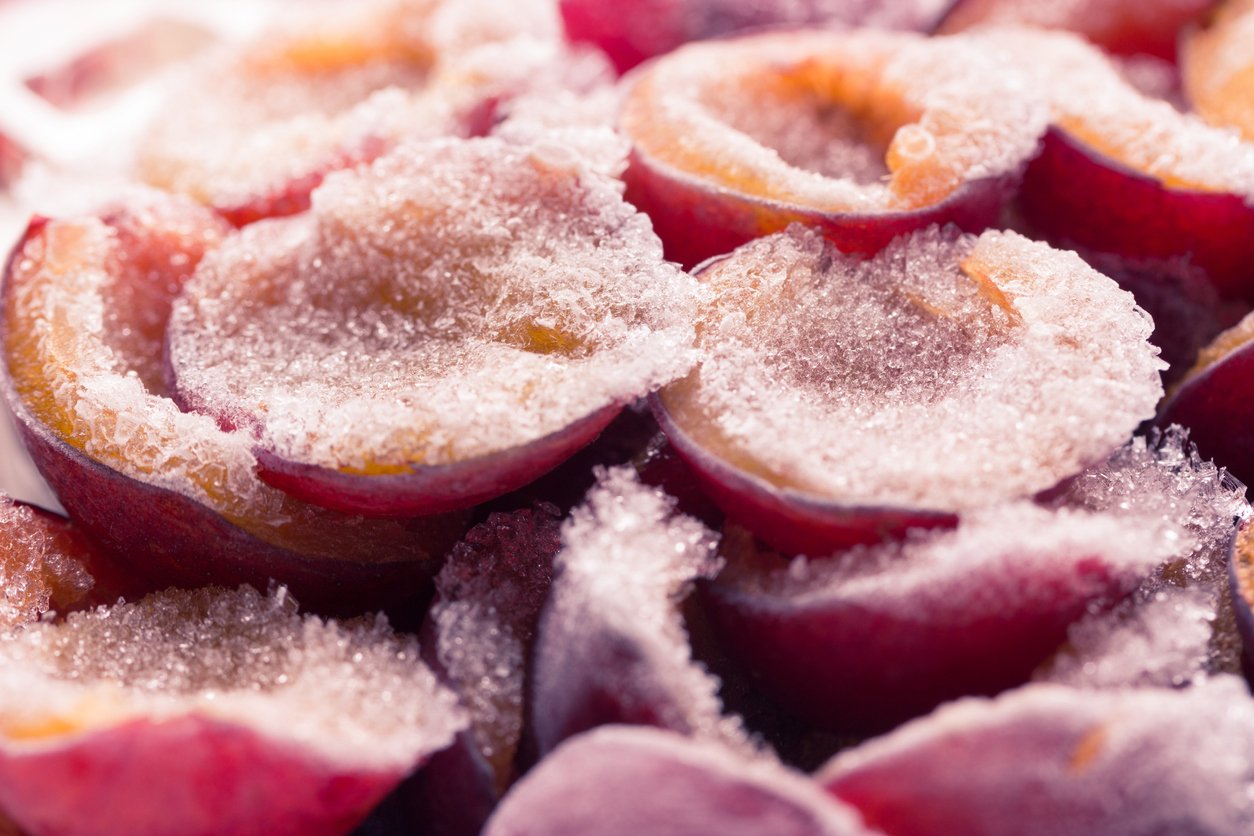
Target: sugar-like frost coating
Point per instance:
(947, 372)
(453, 300)
(819, 119)
(353, 693)
(37, 564)
(612, 630)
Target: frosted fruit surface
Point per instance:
(627, 562)
(947, 372)
(84, 322)
(36, 566)
(1218, 68)
(354, 692)
(454, 299)
(835, 121)
(491, 590)
(1178, 626)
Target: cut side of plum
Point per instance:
(1218, 68)
(255, 128)
(616, 781)
(611, 646)
(1123, 173)
(866, 639)
(632, 33)
(841, 401)
(1212, 400)
(443, 327)
(169, 495)
(1127, 27)
(248, 716)
(1050, 760)
(864, 135)
(1241, 582)
(478, 638)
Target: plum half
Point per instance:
(211, 711)
(862, 134)
(616, 781)
(444, 326)
(1051, 760)
(253, 129)
(843, 401)
(170, 495)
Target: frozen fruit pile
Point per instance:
(585, 417)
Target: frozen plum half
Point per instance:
(862, 134)
(253, 128)
(842, 401)
(1050, 760)
(444, 326)
(170, 495)
(616, 781)
(612, 646)
(1121, 172)
(211, 711)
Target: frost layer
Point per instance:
(454, 299)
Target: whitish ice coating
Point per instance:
(454, 299)
(948, 372)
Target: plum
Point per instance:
(239, 714)
(169, 495)
(1128, 27)
(1119, 172)
(620, 780)
(611, 645)
(1210, 400)
(632, 33)
(45, 564)
(1052, 760)
(258, 127)
(843, 401)
(864, 135)
(444, 326)
(477, 637)
(1218, 69)
(1241, 579)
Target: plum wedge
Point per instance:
(617, 781)
(1050, 760)
(45, 564)
(611, 645)
(170, 495)
(862, 134)
(241, 715)
(842, 401)
(444, 326)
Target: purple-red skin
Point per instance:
(169, 539)
(432, 489)
(792, 522)
(1216, 406)
(631, 33)
(629, 781)
(862, 666)
(187, 775)
(697, 220)
(1078, 196)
